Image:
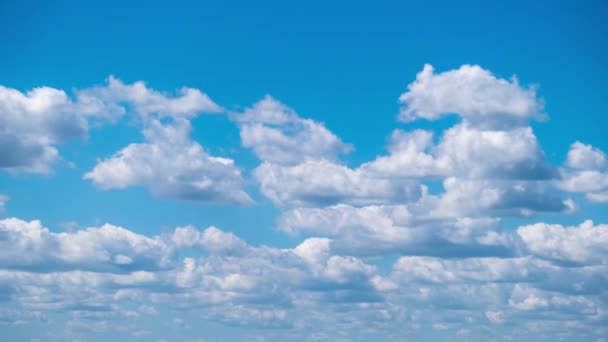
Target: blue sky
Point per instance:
(303, 171)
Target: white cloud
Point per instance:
(145, 101)
(385, 229)
(494, 198)
(588, 173)
(278, 135)
(466, 152)
(471, 92)
(410, 155)
(171, 165)
(458, 271)
(224, 279)
(511, 154)
(212, 239)
(322, 182)
(586, 157)
(584, 244)
(29, 245)
(34, 123)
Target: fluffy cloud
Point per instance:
(587, 172)
(145, 101)
(34, 123)
(171, 165)
(462, 221)
(108, 278)
(416, 242)
(299, 161)
(583, 244)
(385, 229)
(322, 182)
(466, 152)
(30, 246)
(278, 135)
(586, 157)
(471, 92)
(299, 156)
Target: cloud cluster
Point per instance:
(171, 165)
(33, 123)
(105, 277)
(419, 241)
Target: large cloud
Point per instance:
(171, 165)
(417, 242)
(466, 152)
(34, 123)
(471, 92)
(109, 279)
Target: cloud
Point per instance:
(582, 244)
(475, 94)
(30, 246)
(322, 182)
(219, 277)
(278, 135)
(586, 157)
(462, 220)
(416, 241)
(300, 167)
(466, 152)
(386, 229)
(34, 123)
(171, 165)
(587, 172)
(139, 98)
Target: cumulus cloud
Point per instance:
(322, 182)
(582, 244)
(278, 135)
(586, 157)
(466, 152)
(385, 229)
(587, 172)
(300, 167)
(31, 246)
(472, 92)
(141, 99)
(171, 165)
(34, 123)
(300, 163)
(418, 238)
(463, 220)
(100, 274)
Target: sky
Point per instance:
(303, 171)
